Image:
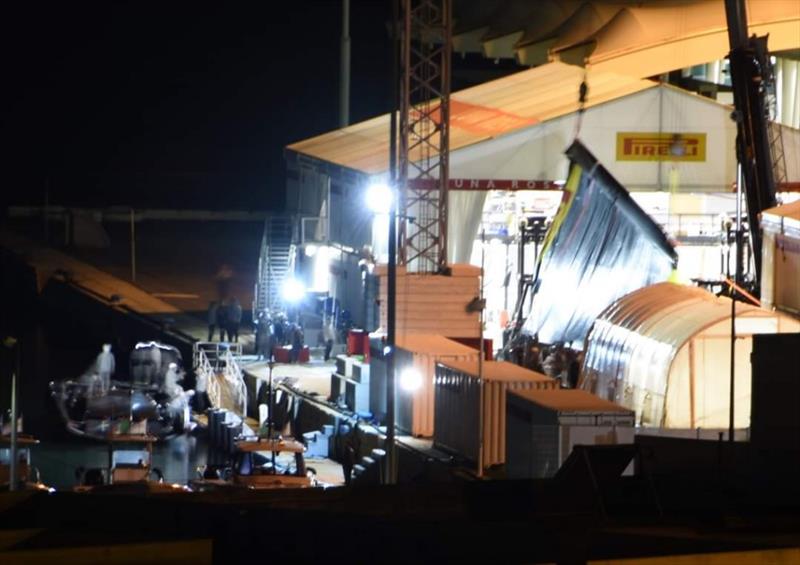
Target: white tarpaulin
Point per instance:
(465, 209)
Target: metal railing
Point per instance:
(235, 380)
(213, 360)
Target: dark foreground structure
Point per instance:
(687, 497)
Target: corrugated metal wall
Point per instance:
(416, 410)
(457, 415)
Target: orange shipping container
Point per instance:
(415, 408)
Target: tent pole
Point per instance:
(691, 383)
(736, 280)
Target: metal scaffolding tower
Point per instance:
(425, 50)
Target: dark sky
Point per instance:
(169, 104)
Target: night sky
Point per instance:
(176, 104)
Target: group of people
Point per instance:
(558, 361)
(98, 377)
(277, 331)
(225, 315)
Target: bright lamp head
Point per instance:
(410, 379)
(293, 291)
(379, 198)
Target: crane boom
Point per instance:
(750, 70)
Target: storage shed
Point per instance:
(780, 285)
(470, 398)
(414, 406)
(664, 351)
(544, 425)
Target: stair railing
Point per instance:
(232, 373)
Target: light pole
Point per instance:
(271, 365)
(11, 344)
(391, 474)
(382, 199)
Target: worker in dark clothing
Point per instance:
(234, 320)
(279, 329)
(212, 319)
(297, 342)
(329, 336)
(223, 320)
(352, 447)
(263, 336)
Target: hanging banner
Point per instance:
(487, 184)
(646, 146)
(600, 246)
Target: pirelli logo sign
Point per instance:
(644, 146)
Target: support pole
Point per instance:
(344, 78)
(133, 245)
(12, 345)
(737, 282)
(391, 307)
(271, 364)
(481, 345)
(46, 212)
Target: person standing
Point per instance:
(223, 314)
(297, 342)
(329, 335)
(234, 320)
(263, 336)
(279, 330)
(104, 366)
(212, 319)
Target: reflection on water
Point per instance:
(177, 458)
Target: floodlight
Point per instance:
(410, 379)
(379, 198)
(293, 291)
(311, 250)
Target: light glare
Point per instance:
(379, 198)
(410, 379)
(293, 291)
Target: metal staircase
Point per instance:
(275, 262)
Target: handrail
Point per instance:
(212, 360)
(205, 371)
(233, 375)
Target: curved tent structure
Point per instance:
(664, 351)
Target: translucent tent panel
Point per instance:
(600, 246)
(664, 351)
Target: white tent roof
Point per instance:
(478, 113)
(536, 152)
(517, 128)
(636, 353)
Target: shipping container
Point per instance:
(780, 284)
(470, 398)
(414, 399)
(544, 425)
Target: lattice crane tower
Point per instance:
(425, 53)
